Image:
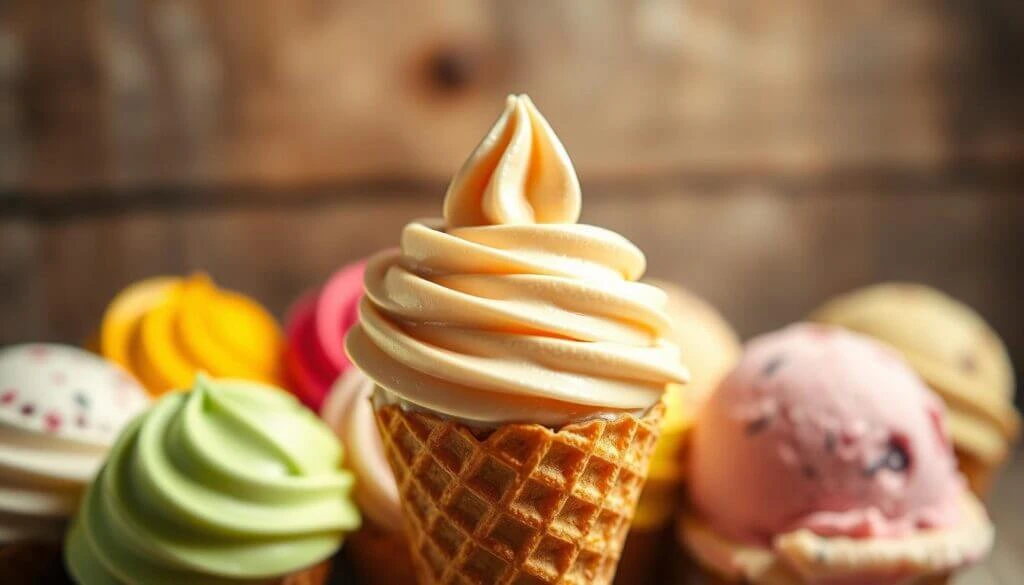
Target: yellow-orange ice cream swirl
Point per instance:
(508, 310)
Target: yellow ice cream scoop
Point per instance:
(166, 329)
(710, 348)
(955, 351)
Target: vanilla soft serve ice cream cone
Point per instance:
(519, 370)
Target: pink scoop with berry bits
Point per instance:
(822, 458)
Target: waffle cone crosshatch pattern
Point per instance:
(522, 503)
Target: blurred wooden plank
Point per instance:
(272, 253)
(977, 179)
(263, 92)
(765, 255)
(22, 305)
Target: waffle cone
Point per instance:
(521, 504)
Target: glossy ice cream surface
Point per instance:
(508, 310)
(164, 330)
(231, 482)
(823, 430)
(322, 376)
(349, 412)
(60, 411)
(315, 354)
(956, 352)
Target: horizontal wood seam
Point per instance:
(45, 207)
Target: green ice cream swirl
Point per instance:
(229, 483)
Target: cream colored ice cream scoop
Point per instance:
(60, 411)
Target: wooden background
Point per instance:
(767, 155)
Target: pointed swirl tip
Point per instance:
(520, 173)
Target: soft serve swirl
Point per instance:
(232, 482)
(41, 481)
(60, 411)
(349, 412)
(508, 310)
(165, 329)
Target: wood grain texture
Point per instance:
(766, 155)
(766, 255)
(128, 94)
(22, 304)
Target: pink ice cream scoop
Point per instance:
(315, 353)
(349, 412)
(825, 430)
(322, 376)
